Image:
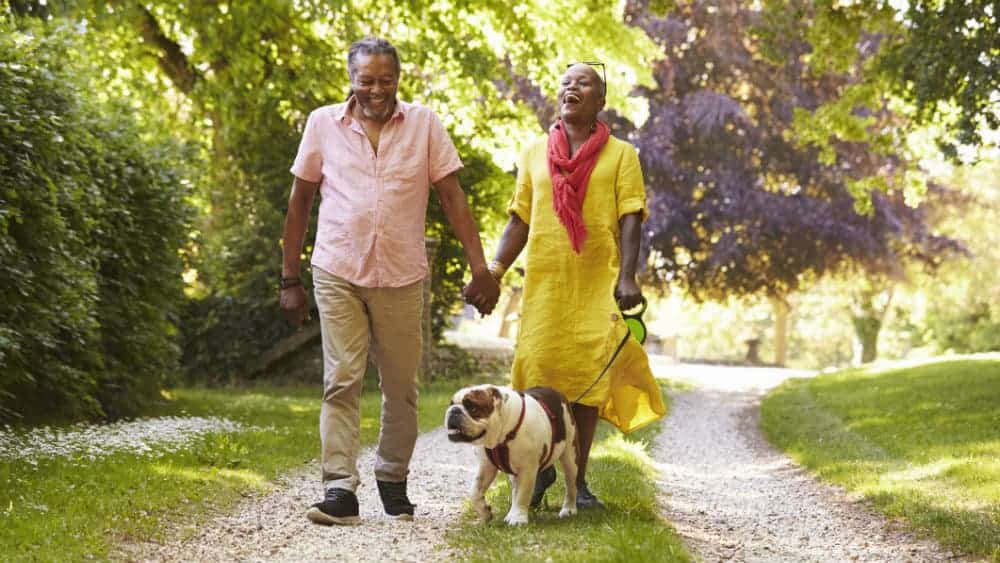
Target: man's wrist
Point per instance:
(290, 281)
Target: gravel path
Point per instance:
(730, 495)
(733, 497)
(275, 528)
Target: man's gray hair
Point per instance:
(370, 46)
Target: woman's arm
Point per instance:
(627, 292)
(512, 241)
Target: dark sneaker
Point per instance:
(585, 500)
(397, 505)
(339, 506)
(544, 480)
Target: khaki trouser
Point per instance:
(352, 318)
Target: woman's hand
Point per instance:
(483, 292)
(627, 293)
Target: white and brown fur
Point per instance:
(483, 415)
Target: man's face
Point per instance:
(374, 81)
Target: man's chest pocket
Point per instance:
(406, 166)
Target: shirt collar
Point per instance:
(343, 113)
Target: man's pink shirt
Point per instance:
(373, 208)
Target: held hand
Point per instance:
(627, 294)
(294, 306)
(483, 292)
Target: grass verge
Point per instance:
(621, 474)
(921, 443)
(72, 509)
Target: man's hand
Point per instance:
(483, 292)
(627, 293)
(294, 305)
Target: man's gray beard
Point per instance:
(368, 114)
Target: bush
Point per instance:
(92, 214)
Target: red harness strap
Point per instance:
(552, 445)
(500, 454)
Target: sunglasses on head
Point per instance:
(595, 64)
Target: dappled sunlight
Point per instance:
(922, 443)
(919, 472)
(243, 476)
(887, 366)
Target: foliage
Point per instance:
(920, 442)
(949, 56)
(959, 309)
(740, 204)
(92, 214)
(939, 56)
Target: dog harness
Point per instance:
(500, 454)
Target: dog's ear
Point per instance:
(497, 395)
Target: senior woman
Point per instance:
(578, 208)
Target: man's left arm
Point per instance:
(627, 292)
(483, 290)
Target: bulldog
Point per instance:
(519, 434)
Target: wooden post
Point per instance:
(781, 310)
(431, 245)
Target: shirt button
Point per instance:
(614, 317)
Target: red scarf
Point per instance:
(571, 175)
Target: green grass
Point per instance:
(921, 443)
(71, 509)
(622, 475)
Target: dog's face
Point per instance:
(471, 413)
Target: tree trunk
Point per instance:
(867, 328)
(867, 314)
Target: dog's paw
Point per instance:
(485, 513)
(567, 512)
(516, 518)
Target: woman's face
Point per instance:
(580, 95)
(374, 82)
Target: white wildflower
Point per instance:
(146, 436)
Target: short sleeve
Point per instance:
(630, 190)
(309, 160)
(520, 203)
(443, 157)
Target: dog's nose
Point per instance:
(454, 416)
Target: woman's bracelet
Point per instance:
(497, 269)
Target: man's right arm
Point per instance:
(300, 202)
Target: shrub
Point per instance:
(92, 214)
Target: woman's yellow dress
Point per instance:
(570, 325)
